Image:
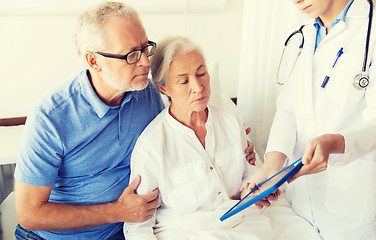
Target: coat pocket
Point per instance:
(351, 189)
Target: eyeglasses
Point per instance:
(134, 56)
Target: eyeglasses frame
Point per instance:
(124, 57)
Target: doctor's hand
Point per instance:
(249, 151)
(315, 158)
(131, 207)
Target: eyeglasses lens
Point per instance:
(150, 50)
(135, 56)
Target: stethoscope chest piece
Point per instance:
(361, 81)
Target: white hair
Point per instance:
(89, 33)
(166, 51)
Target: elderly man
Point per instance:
(73, 171)
(74, 160)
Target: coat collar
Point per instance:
(359, 9)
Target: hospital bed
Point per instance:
(284, 222)
(10, 139)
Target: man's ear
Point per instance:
(91, 60)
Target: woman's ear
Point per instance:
(91, 61)
(162, 90)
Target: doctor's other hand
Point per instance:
(315, 158)
(249, 151)
(131, 207)
(261, 175)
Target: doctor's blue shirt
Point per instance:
(321, 29)
(82, 147)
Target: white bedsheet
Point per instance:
(277, 222)
(248, 225)
(286, 224)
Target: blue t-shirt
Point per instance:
(82, 147)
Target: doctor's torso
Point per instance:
(339, 104)
(329, 199)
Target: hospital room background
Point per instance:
(242, 41)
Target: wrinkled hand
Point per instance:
(315, 158)
(261, 175)
(249, 151)
(131, 207)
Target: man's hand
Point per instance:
(251, 155)
(35, 212)
(315, 158)
(136, 208)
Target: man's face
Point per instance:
(122, 36)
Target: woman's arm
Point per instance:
(142, 165)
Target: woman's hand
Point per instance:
(273, 163)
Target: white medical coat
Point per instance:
(341, 201)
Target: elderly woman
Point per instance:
(194, 154)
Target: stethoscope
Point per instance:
(361, 80)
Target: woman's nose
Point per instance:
(196, 85)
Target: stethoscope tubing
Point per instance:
(300, 30)
(366, 49)
(370, 14)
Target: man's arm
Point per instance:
(249, 151)
(36, 213)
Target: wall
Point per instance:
(37, 52)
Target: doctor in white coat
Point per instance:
(333, 127)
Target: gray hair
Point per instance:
(89, 33)
(166, 51)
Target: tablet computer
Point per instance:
(235, 209)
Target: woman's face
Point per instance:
(188, 83)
